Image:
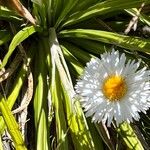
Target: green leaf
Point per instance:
(57, 7)
(6, 14)
(59, 60)
(79, 130)
(18, 38)
(91, 46)
(128, 42)
(12, 125)
(14, 93)
(77, 52)
(129, 136)
(73, 61)
(40, 99)
(101, 8)
(1, 144)
(97, 139)
(69, 4)
(42, 11)
(77, 124)
(61, 125)
(82, 5)
(57, 100)
(17, 85)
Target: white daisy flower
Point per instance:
(114, 89)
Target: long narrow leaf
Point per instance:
(76, 121)
(129, 136)
(57, 58)
(94, 47)
(11, 99)
(40, 8)
(67, 8)
(1, 144)
(57, 7)
(82, 5)
(7, 14)
(102, 8)
(79, 130)
(14, 94)
(18, 38)
(128, 42)
(61, 127)
(40, 100)
(77, 52)
(12, 125)
(72, 60)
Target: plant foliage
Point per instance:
(45, 45)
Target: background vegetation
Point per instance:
(42, 56)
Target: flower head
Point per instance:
(113, 88)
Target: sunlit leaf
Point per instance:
(40, 100)
(129, 136)
(12, 125)
(18, 38)
(102, 8)
(128, 42)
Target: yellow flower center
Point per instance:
(114, 88)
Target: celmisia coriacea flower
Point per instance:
(112, 88)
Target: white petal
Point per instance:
(137, 98)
